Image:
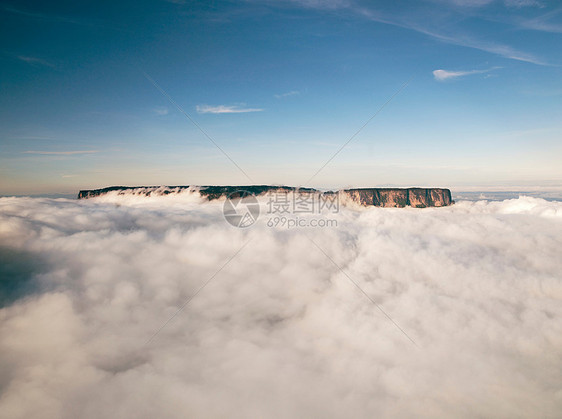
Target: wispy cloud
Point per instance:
(523, 3)
(423, 23)
(504, 51)
(542, 23)
(30, 14)
(542, 26)
(225, 109)
(323, 4)
(444, 75)
(482, 3)
(467, 3)
(32, 137)
(288, 94)
(161, 111)
(34, 61)
(46, 17)
(462, 40)
(61, 153)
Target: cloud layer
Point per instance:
(280, 331)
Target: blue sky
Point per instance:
(280, 86)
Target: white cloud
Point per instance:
(61, 153)
(280, 331)
(225, 109)
(288, 94)
(443, 75)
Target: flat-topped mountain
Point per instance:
(379, 197)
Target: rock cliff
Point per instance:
(379, 197)
(395, 197)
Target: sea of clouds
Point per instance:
(461, 316)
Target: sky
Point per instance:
(462, 94)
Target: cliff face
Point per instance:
(395, 197)
(379, 197)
